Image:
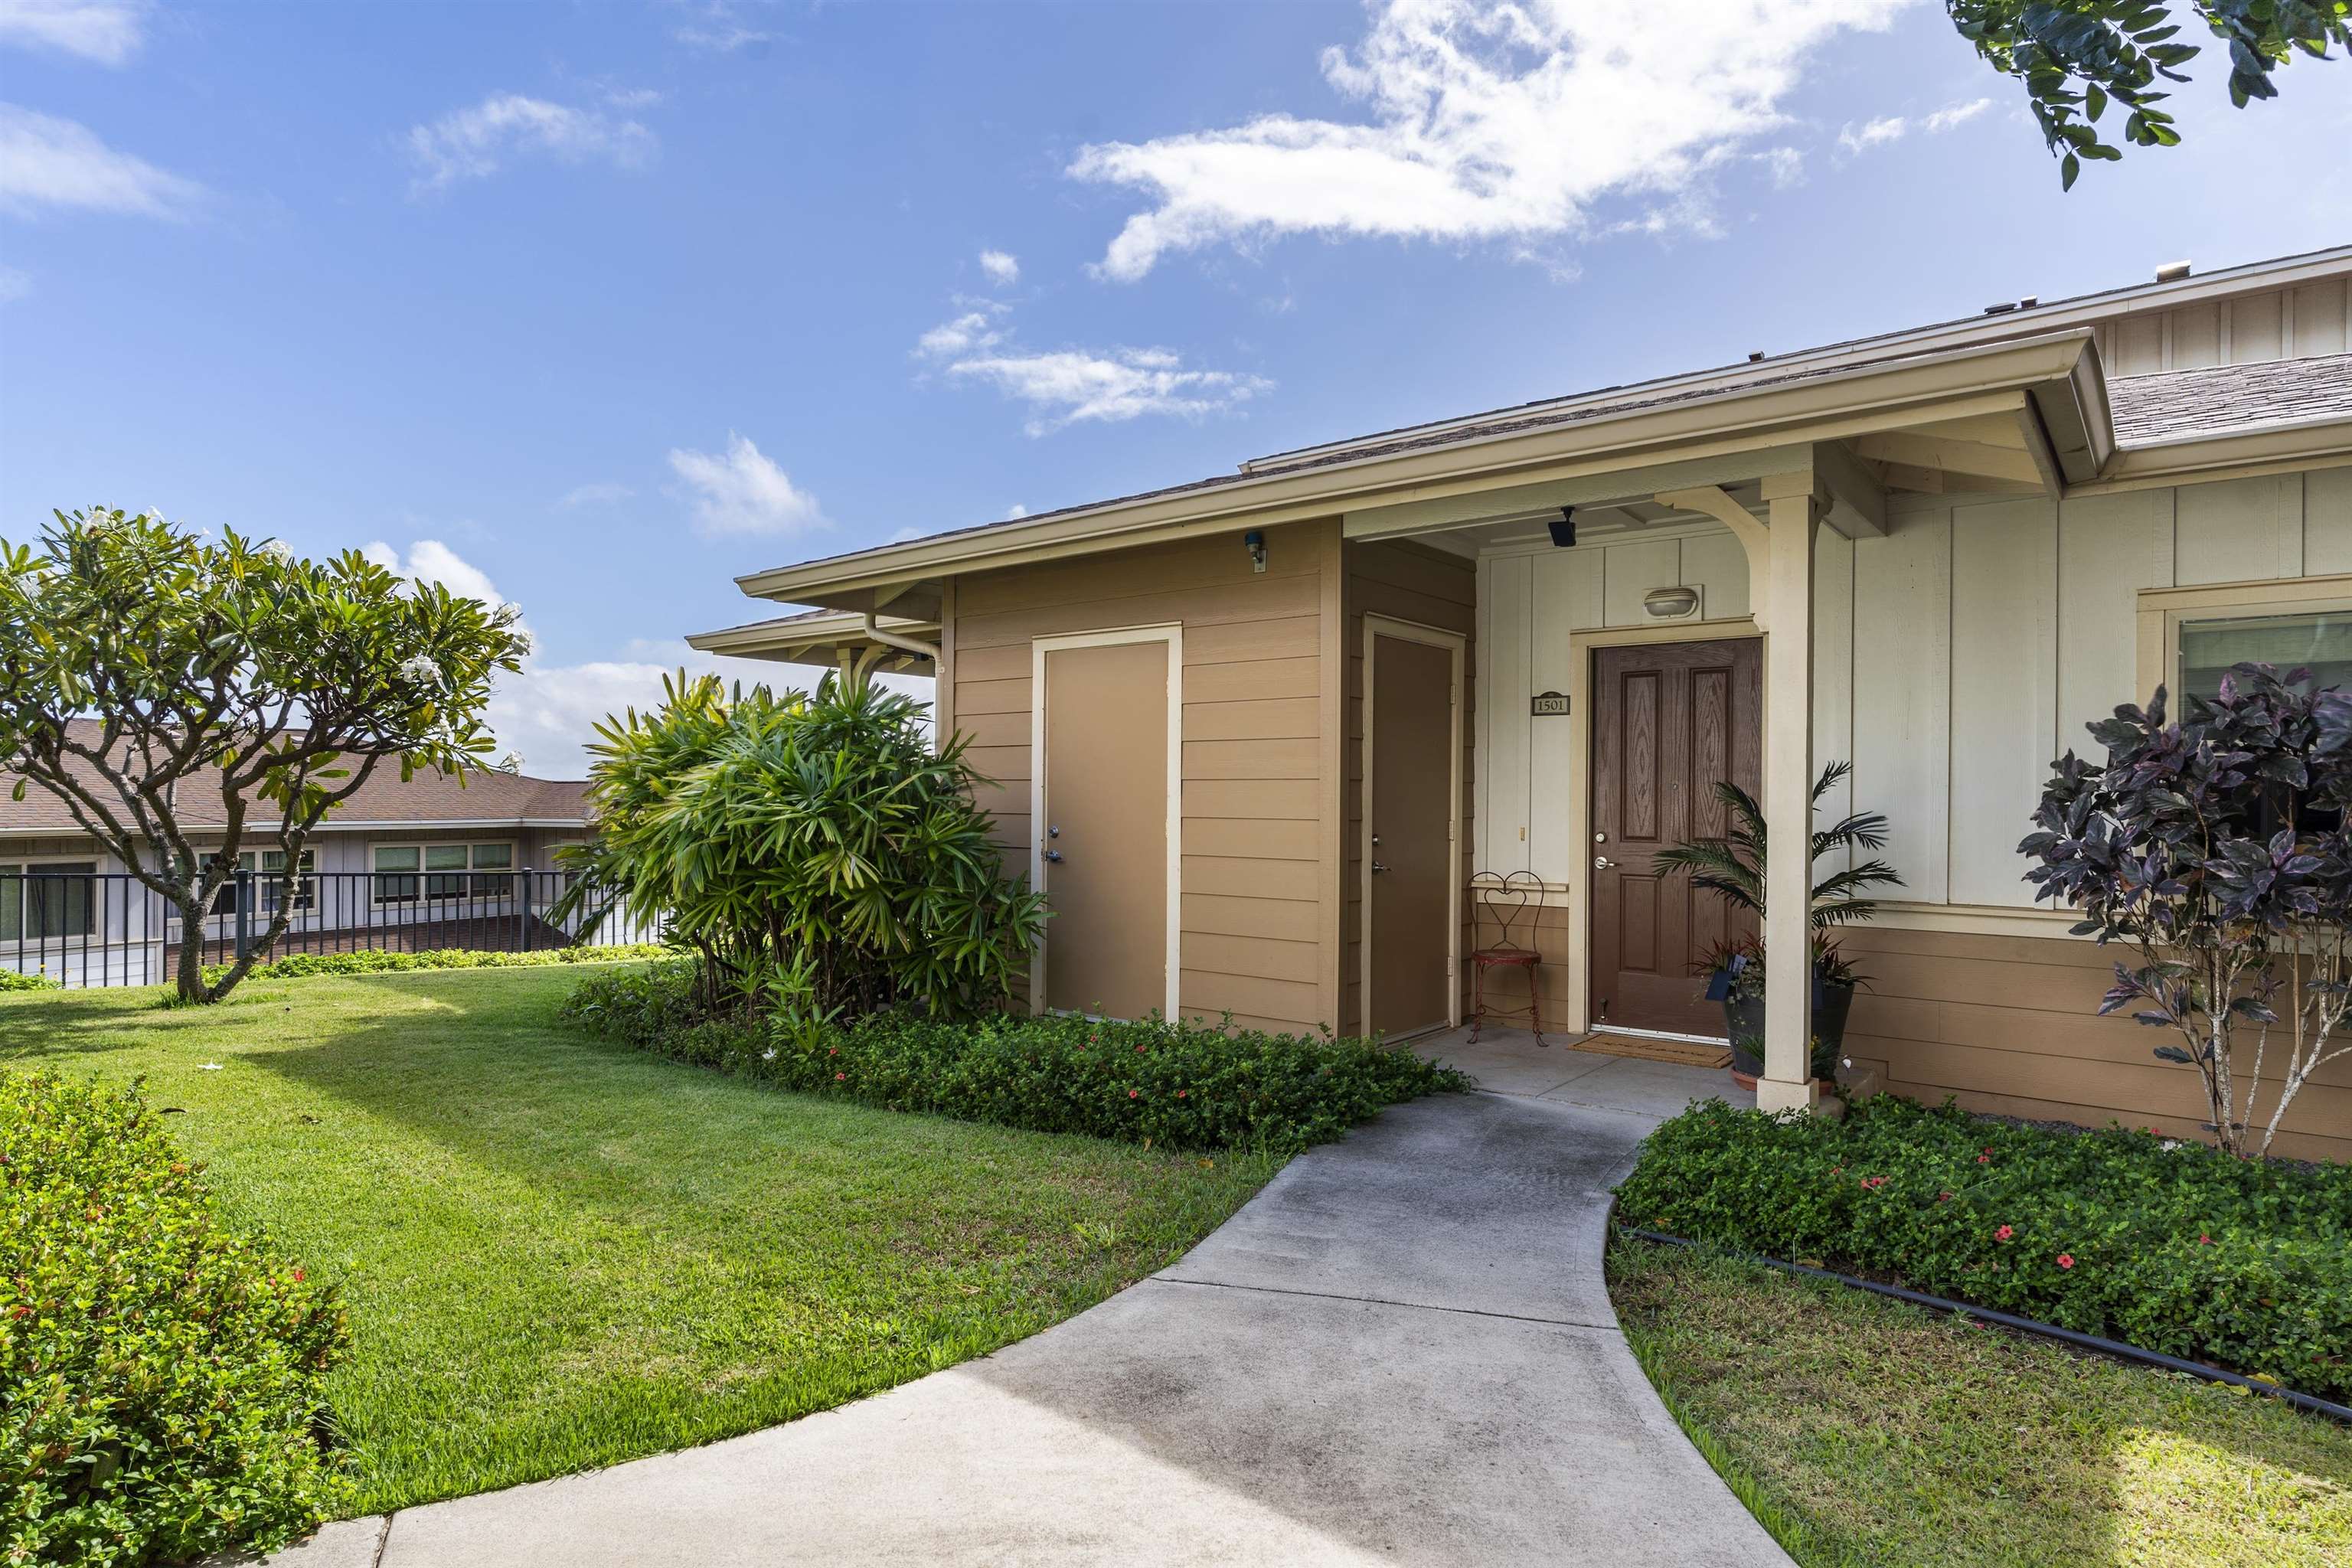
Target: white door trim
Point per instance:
(1456, 647)
(1173, 636)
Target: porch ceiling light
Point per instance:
(1670, 604)
(1563, 533)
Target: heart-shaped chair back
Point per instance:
(1511, 901)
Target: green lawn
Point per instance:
(560, 1253)
(1868, 1431)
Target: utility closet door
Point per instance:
(1414, 861)
(1103, 829)
(1669, 720)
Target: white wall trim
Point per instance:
(1171, 634)
(1455, 645)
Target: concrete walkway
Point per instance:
(1401, 1351)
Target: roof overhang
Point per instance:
(2057, 374)
(825, 637)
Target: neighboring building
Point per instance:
(426, 862)
(1256, 731)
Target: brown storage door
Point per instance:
(1105, 815)
(1669, 719)
(1412, 826)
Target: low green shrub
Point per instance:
(1189, 1086)
(370, 962)
(2165, 1244)
(160, 1367)
(12, 980)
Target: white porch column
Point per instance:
(1795, 510)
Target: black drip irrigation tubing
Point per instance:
(2115, 1348)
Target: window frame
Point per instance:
(2163, 611)
(25, 867)
(473, 877)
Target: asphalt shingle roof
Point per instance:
(2184, 404)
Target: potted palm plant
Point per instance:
(1732, 868)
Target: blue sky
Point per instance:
(594, 306)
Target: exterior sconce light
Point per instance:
(1670, 604)
(1256, 540)
(1563, 533)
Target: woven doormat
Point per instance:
(1682, 1053)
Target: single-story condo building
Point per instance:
(1255, 733)
(425, 862)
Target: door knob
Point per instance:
(1378, 866)
(1601, 862)
(1055, 856)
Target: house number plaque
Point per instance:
(1548, 705)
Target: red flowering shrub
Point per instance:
(2173, 1246)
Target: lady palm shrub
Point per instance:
(812, 846)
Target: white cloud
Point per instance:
(601, 493)
(1069, 386)
(722, 29)
(1483, 121)
(45, 161)
(1857, 139)
(106, 31)
(959, 334)
(742, 491)
(1015, 512)
(1954, 114)
(1786, 165)
(474, 143)
(1066, 385)
(1003, 268)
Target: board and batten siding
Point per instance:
(2301, 323)
(1953, 658)
(1428, 587)
(1259, 844)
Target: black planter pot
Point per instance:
(1743, 1021)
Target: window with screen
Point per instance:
(2319, 639)
(46, 899)
(404, 873)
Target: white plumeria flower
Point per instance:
(523, 645)
(277, 549)
(420, 668)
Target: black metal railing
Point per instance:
(81, 927)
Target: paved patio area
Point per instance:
(1402, 1351)
(1508, 1061)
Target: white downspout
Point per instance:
(903, 645)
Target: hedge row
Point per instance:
(1186, 1086)
(160, 1368)
(2165, 1244)
(369, 961)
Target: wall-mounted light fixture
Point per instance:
(1256, 540)
(1563, 533)
(1670, 604)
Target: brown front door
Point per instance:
(1104, 828)
(1410, 804)
(1669, 720)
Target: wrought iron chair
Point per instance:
(1512, 900)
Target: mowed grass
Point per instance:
(559, 1253)
(1867, 1431)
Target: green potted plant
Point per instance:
(1732, 868)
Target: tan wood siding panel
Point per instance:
(1251, 956)
(1207, 562)
(1247, 878)
(1005, 764)
(996, 732)
(1275, 597)
(1267, 718)
(1257, 679)
(977, 666)
(1241, 839)
(1275, 919)
(974, 698)
(1207, 993)
(1291, 800)
(1243, 642)
(1297, 759)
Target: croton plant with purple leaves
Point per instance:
(2216, 847)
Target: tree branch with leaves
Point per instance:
(165, 688)
(2078, 57)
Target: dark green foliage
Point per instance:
(816, 851)
(160, 1368)
(369, 961)
(2075, 55)
(2170, 1246)
(1184, 1086)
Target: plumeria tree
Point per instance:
(2217, 849)
(146, 670)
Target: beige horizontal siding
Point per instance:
(1258, 893)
